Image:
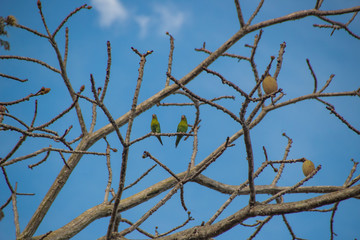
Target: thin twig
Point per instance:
(327, 83)
(67, 18)
(279, 60)
(351, 19)
(93, 117)
(227, 82)
(239, 13)
(289, 161)
(313, 74)
(353, 169)
(178, 227)
(332, 110)
(43, 18)
(195, 145)
(286, 154)
(7, 180)
(108, 164)
(31, 30)
(14, 160)
(107, 77)
(147, 154)
(76, 139)
(16, 119)
(12, 77)
(318, 4)
(15, 148)
(66, 45)
(267, 160)
(16, 213)
(141, 177)
(252, 62)
(22, 99)
(64, 160)
(321, 210)
(105, 110)
(255, 12)
(28, 59)
(35, 114)
(223, 148)
(200, 103)
(258, 228)
(6, 203)
(352, 182)
(86, 98)
(250, 225)
(232, 115)
(159, 134)
(335, 26)
(326, 103)
(41, 161)
(332, 233)
(171, 53)
(223, 55)
(256, 109)
(182, 199)
(137, 229)
(58, 116)
(288, 227)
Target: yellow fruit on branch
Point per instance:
(308, 167)
(269, 85)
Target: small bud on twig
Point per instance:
(39, 4)
(44, 90)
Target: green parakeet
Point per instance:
(155, 126)
(182, 127)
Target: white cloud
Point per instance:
(168, 18)
(143, 22)
(160, 18)
(110, 11)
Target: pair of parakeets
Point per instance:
(269, 86)
(182, 128)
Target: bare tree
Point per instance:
(255, 106)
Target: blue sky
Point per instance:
(316, 134)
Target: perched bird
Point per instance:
(155, 126)
(307, 167)
(269, 85)
(182, 127)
